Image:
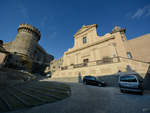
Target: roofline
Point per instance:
(92, 25)
(138, 37)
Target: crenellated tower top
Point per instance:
(29, 28)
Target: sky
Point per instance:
(59, 20)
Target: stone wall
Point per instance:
(134, 65)
(26, 40)
(25, 51)
(139, 47)
(105, 72)
(96, 47)
(2, 57)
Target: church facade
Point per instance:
(104, 55)
(89, 47)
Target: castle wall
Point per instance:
(2, 58)
(26, 41)
(26, 53)
(7, 46)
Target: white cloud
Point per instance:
(145, 11)
(139, 13)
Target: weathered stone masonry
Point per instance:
(25, 51)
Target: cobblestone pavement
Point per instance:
(92, 99)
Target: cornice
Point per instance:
(84, 33)
(89, 45)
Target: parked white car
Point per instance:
(130, 82)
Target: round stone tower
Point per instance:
(26, 40)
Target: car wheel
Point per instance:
(84, 83)
(122, 91)
(141, 93)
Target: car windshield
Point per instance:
(128, 78)
(90, 78)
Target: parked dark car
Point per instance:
(130, 82)
(91, 80)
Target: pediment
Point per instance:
(84, 28)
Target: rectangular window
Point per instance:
(129, 55)
(85, 60)
(84, 40)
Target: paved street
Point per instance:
(92, 99)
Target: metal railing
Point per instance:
(105, 60)
(80, 65)
(64, 68)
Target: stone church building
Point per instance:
(25, 51)
(89, 47)
(104, 55)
